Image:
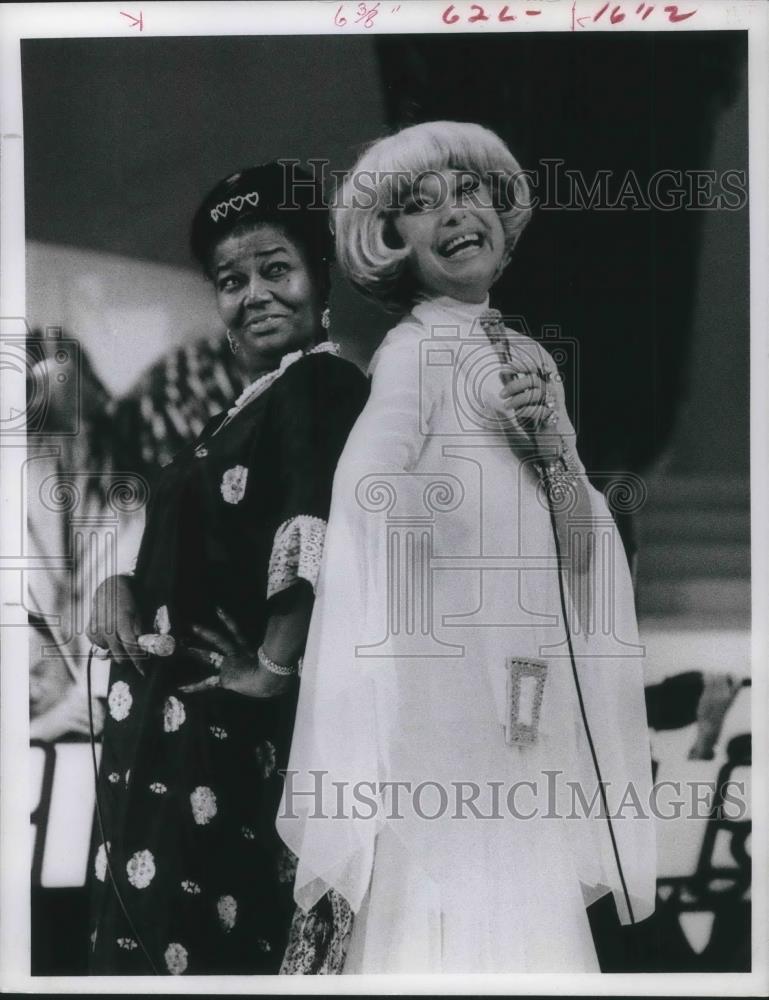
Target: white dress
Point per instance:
(439, 568)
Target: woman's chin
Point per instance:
(267, 342)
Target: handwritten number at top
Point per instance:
(479, 13)
(476, 13)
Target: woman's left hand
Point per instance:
(535, 398)
(235, 662)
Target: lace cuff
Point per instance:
(296, 553)
(318, 939)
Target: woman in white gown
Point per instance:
(461, 699)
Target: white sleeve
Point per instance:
(335, 744)
(391, 431)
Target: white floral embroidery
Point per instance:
(218, 732)
(233, 484)
(203, 803)
(127, 776)
(248, 832)
(127, 943)
(227, 908)
(263, 945)
(176, 958)
(162, 621)
(287, 865)
(119, 700)
(157, 645)
(173, 715)
(191, 887)
(113, 778)
(140, 869)
(100, 861)
(158, 788)
(93, 938)
(296, 553)
(265, 755)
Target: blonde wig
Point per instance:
(373, 191)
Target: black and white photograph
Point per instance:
(384, 450)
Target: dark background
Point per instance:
(123, 136)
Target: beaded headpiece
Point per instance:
(236, 204)
(279, 192)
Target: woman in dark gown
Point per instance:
(206, 636)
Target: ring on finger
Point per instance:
(216, 660)
(214, 681)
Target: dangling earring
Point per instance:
(325, 318)
(233, 343)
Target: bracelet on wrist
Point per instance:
(568, 457)
(273, 667)
(557, 476)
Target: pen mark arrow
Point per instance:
(135, 21)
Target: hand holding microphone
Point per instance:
(534, 398)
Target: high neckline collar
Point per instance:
(465, 312)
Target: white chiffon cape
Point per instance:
(439, 566)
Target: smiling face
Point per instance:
(455, 236)
(265, 294)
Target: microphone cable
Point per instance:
(493, 325)
(583, 713)
(100, 821)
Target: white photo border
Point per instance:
(305, 17)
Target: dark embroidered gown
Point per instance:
(188, 783)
